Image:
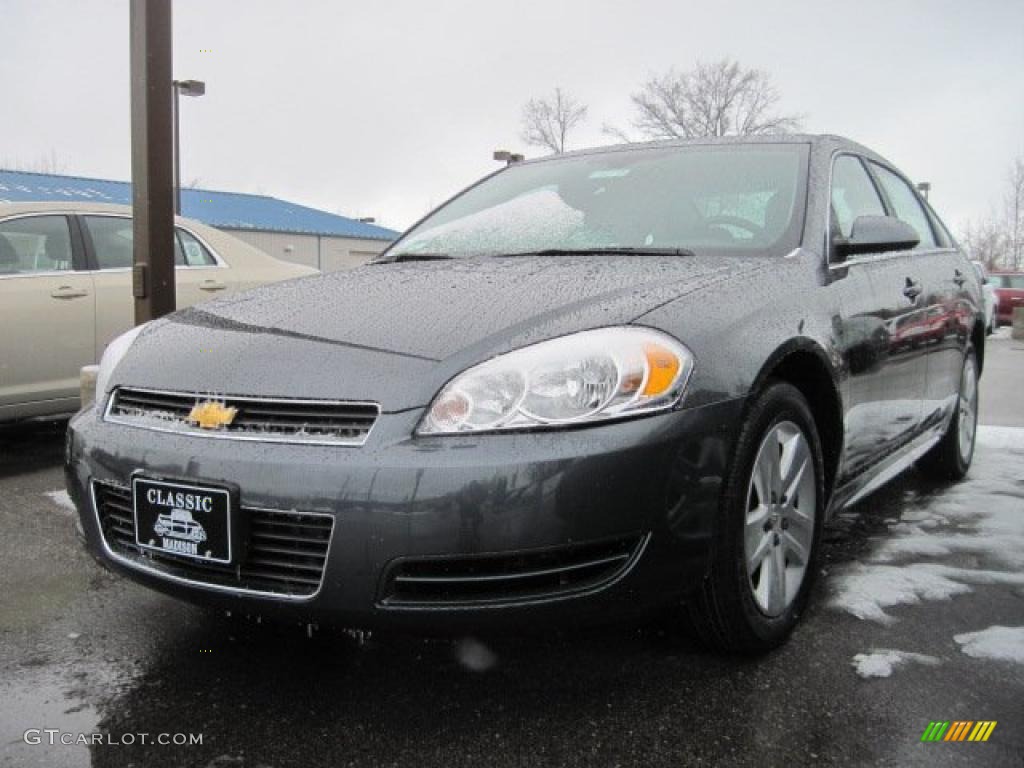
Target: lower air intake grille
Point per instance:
(285, 552)
(509, 577)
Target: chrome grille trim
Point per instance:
(502, 579)
(144, 408)
(163, 566)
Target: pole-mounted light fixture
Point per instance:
(193, 88)
(504, 156)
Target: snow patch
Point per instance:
(1000, 643)
(1003, 332)
(981, 517)
(867, 590)
(62, 500)
(881, 662)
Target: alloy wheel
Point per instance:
(781, 512)
(968, 404)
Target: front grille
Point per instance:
(275, 420)
(285, 553)
(509, 577)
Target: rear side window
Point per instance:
(905, 204)
(111, 240)
(1008, 281)
(853, 194)
(193, 253)
(35, 244)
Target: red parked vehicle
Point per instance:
(1009, 293)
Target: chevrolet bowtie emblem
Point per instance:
(212, 415)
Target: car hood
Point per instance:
(394, 333)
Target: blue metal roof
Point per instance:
(230, 210)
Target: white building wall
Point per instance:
(325, 252)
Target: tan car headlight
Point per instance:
(111, 357)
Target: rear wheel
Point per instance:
(765, 547)
(951, 457)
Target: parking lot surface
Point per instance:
(919, 617)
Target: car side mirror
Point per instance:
(876, 234)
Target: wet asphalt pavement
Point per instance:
(83, 651)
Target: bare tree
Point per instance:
(610, 129)
(986, 241)
(718, 99)
(547, 123)
(998, 239)
(51, 163)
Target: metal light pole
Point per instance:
(152, 192)
(194, 88)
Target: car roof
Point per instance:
(825, 141)
(14, 209)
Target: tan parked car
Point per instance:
(65, 292)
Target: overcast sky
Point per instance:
(386, 108)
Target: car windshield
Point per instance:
(732, 199)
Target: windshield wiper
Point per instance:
(410, 256)
(628, 250)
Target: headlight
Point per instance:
(584, 377)
(111, 357)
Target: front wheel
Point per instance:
(951, 457)
(769, 528)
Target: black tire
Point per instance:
(724, 614)
(946, 461)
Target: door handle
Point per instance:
(212, 285)
(912, 290)
(67, 292)
(958, 277)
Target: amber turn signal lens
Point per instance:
(663, 368)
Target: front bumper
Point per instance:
(442, 504)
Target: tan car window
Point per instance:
(194, 254)
(112, 238)
(35, 244)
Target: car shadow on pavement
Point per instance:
(31, 446)
(397, 699)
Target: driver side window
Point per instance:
(853, 193)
